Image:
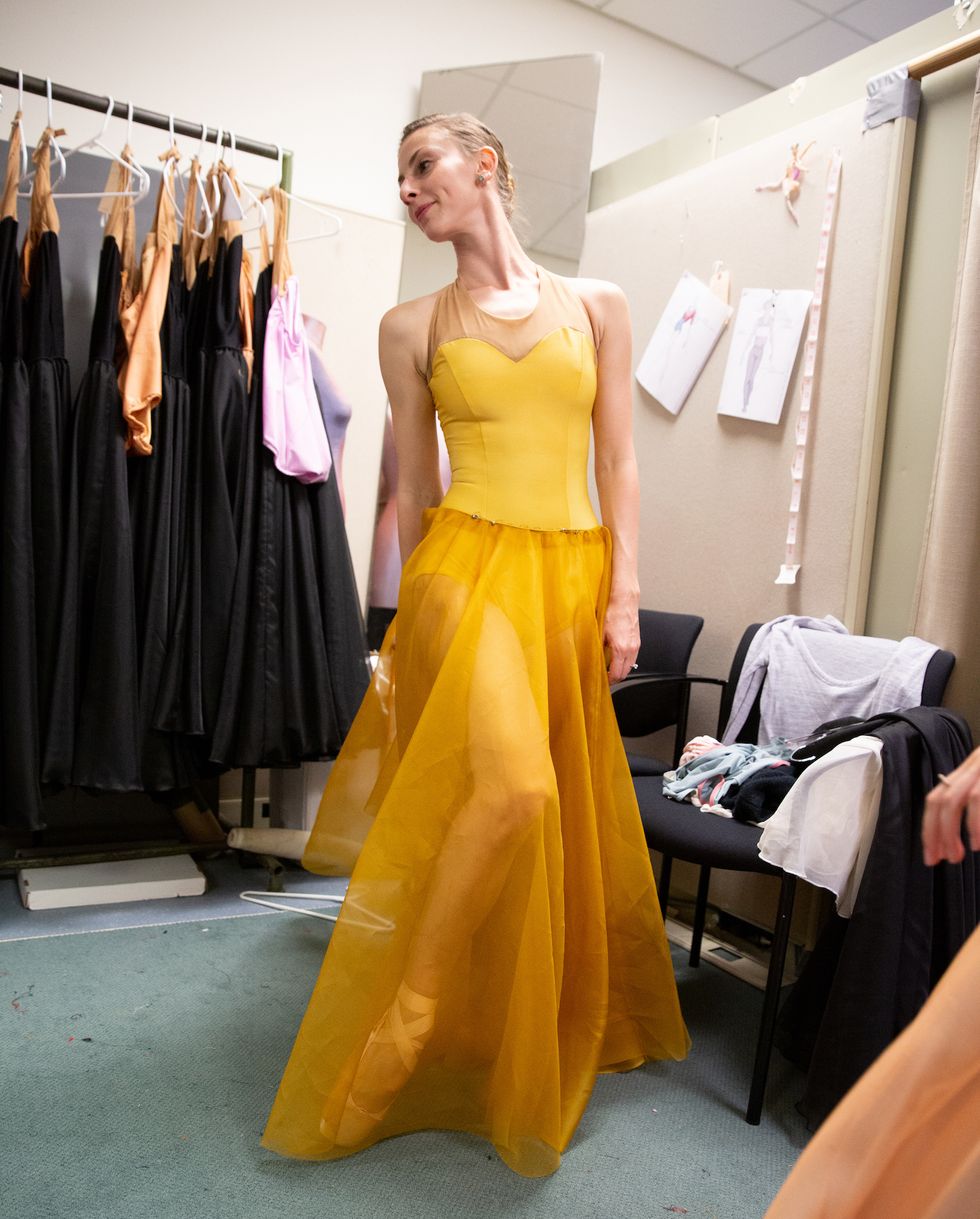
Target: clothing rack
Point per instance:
(40, 87)
(148, 118)
(945, 56)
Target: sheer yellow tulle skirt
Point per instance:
(483, 806)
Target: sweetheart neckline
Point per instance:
(471, 338)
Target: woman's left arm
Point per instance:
(615, 469)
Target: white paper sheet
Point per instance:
(684, 338)
(766, 339)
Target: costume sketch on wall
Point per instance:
(768, 329)
(685, 337)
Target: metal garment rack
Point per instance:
(39, 86)
(148, 118)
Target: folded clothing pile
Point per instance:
(747, 782)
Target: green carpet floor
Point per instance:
(138, 1067)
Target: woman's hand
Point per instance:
(955, 799)
(621, 636)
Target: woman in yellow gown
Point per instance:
(501, 941)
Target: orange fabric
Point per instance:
(8, 207)
(141, 380)
(906, 1139)
(230, 229)
(121, 225)
(44, 214)
(190, 243)
(265, 250)
(116, 207)
(282, 267)
(246, 312)
(213, 186)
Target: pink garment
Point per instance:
(698, 746)
(292, 425)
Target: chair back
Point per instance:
(751, 729)
(934, 683)
(666, 643)
(938, 672)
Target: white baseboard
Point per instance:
(726, 957)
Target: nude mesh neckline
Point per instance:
(496, 317)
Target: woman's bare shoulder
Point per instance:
(405, 329)
(598, 292)
(604, 302)
(409, 317)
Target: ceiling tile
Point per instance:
(880, 18)
(726, 31)
(808, 52)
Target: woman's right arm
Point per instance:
(413, 419)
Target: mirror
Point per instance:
(543, 110)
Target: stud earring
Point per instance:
(481, 179)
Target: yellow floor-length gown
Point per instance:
(486, 754)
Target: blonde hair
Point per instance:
(472, 135)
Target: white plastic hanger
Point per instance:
(169, 179)
(363, 917)
(20, 124)
(296, 201)
(233, 209)
(59, 155)
(142, 177)
(260, 898)
(226, 205)
(202, 192)
(219, 147)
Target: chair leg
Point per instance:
(664, 886)
(770, 1006)
(700, 912)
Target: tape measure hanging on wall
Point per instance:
(793, 559)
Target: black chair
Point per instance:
(678, 830)
(657, 694)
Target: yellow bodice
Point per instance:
(514, 398)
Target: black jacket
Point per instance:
(869, 975)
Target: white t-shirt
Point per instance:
(822, 830)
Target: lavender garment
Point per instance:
(292, 426)
(335, 410)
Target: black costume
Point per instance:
(20, 794)
(96, 744)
